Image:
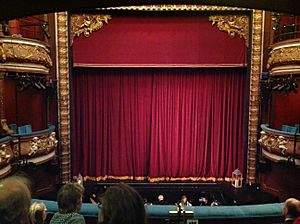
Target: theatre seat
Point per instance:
(290, 129)
(26, 129)
(13, 127)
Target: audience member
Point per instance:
(146, 202)
(161, 200)
(38, 213)
(291, 210)
(203, 201)
(69, 200)
(184, 201)
(15, 200)
(121, 204)
(215, 203)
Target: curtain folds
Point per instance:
(158, 124)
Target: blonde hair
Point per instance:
(36, 212)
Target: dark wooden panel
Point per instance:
(281, 179)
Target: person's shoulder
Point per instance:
(68, 218)
(76, 219)
(55, 218)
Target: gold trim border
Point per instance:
(157, 179)
(175, 7)
(254, 94)
(64, 96)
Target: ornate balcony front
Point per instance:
(6, 156)
(284, 58)
(24, 55)
(280, 145)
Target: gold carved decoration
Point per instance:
(22, 52)
(233, 25)
(5, 154)
(86, 24)
(276, 144)
(254, 94)
(63, 94)
(42, 145)
(174, 7)
(284, 56)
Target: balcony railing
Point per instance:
(287, 32)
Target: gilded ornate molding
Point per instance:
(63, 94)
(254, 95)
(86, 24)
(174, 7)
(40, 145)
(19, 53)
(285, 54)
(277, 144)
(5, 154)
(233, 25)
(280, 146)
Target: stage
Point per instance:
(222, 193)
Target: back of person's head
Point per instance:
(69, 198)
(38, 213)
(291, 208)
(121, 204)
(15, 200)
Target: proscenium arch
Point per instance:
(63, 68)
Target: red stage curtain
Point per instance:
(158, 124)
(159, 40)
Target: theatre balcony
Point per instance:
(24, 55)
(28, 141)
(281, 146)
(279, 152)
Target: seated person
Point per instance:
(38, 213)
(291, 210)
(69, 200)
(15, 200)
(161, 200)
(203, 201)
(121, 204)
(146, 202)
(215, 203)
(184, 202)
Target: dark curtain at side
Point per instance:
(158, 124)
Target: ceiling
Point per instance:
(19, 8)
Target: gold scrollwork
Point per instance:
(233, 25)
(2, 54)
(5, 154)
(22, 53)
(42, 145)
(276, 144)
(284, 56)
(87, 23)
